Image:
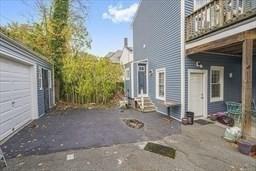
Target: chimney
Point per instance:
(125, 42)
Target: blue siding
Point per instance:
(189, 4)
(158, 25)
(232, 86)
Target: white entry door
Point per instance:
(197, 94)
(15, 96)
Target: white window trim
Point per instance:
(127, 71)
(221, 98)
(40, 77)
(49, 79)
(160, 70)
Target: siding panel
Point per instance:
(157, 26)
(232, 86)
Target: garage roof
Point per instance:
(22, 46)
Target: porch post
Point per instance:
(221, 12)
(247, 86)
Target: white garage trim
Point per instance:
(33, 84)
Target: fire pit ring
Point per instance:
(133, 123)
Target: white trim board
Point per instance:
(132, 81)
(182, 56)
(205, 75)
(142, 61)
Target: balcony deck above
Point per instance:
(217, 15)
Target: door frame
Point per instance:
(45, 77)
(138, 91)
(205, 85)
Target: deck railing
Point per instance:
(216, 15)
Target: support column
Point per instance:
(221, 15)
(247, 87)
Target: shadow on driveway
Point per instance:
(82, 129)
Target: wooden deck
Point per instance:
(216, 15)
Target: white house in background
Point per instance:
(114, 56)
(127, 61)
(127, 54)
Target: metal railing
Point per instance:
(216, 15)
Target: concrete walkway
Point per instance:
(198, 148)
(84, 129)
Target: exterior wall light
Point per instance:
(151, 72)
(198, 64)
(231, 75)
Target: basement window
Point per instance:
(217, 83)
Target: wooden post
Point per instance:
(221, 15)
(247, 87)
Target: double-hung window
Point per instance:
(160, 84)
(217, 83)
(40, 78)
(49, 79)
(127, 74)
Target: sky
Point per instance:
(108, 21)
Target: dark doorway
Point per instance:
(46, 90)
(142, 78)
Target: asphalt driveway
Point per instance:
(83, 129)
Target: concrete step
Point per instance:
(139, 98)
(146, 103)
(145, 110)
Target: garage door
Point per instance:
(15, 96)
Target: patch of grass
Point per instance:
(160, 149)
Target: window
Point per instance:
(217, 83)
(127, 74)
(49, 79)
(40, 78)
(160, 84)
(141, 68)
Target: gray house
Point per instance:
(26, 86)
(193, 55)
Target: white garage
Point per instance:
(15, 96)
(22, 94)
